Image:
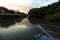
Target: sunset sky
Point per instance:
(25, 5)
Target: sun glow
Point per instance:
(24, 26)
(13, 7)
(14, 4)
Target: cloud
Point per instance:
(38, 3)
(28, 4)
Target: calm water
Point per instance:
(27, 29)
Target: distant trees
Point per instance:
(34, 12)
(4, 10)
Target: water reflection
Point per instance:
(20, 31)
(50, 32)
(27, 29)
(7, 20)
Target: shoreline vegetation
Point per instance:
(5, 11)
(43, 22)
(50, 14)
(10, 17)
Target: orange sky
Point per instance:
(14, 7)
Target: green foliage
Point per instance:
(35, 10)
(50, 12)
(53, 17)
(43, 11)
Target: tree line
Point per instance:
(4, 10)
(50, 12)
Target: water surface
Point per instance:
(27, 29)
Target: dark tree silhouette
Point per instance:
(7, 19)
(46, 12)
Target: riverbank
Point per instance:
(44, 22)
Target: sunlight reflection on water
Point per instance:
(19, 31)
(22, 31)
(13, 28)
